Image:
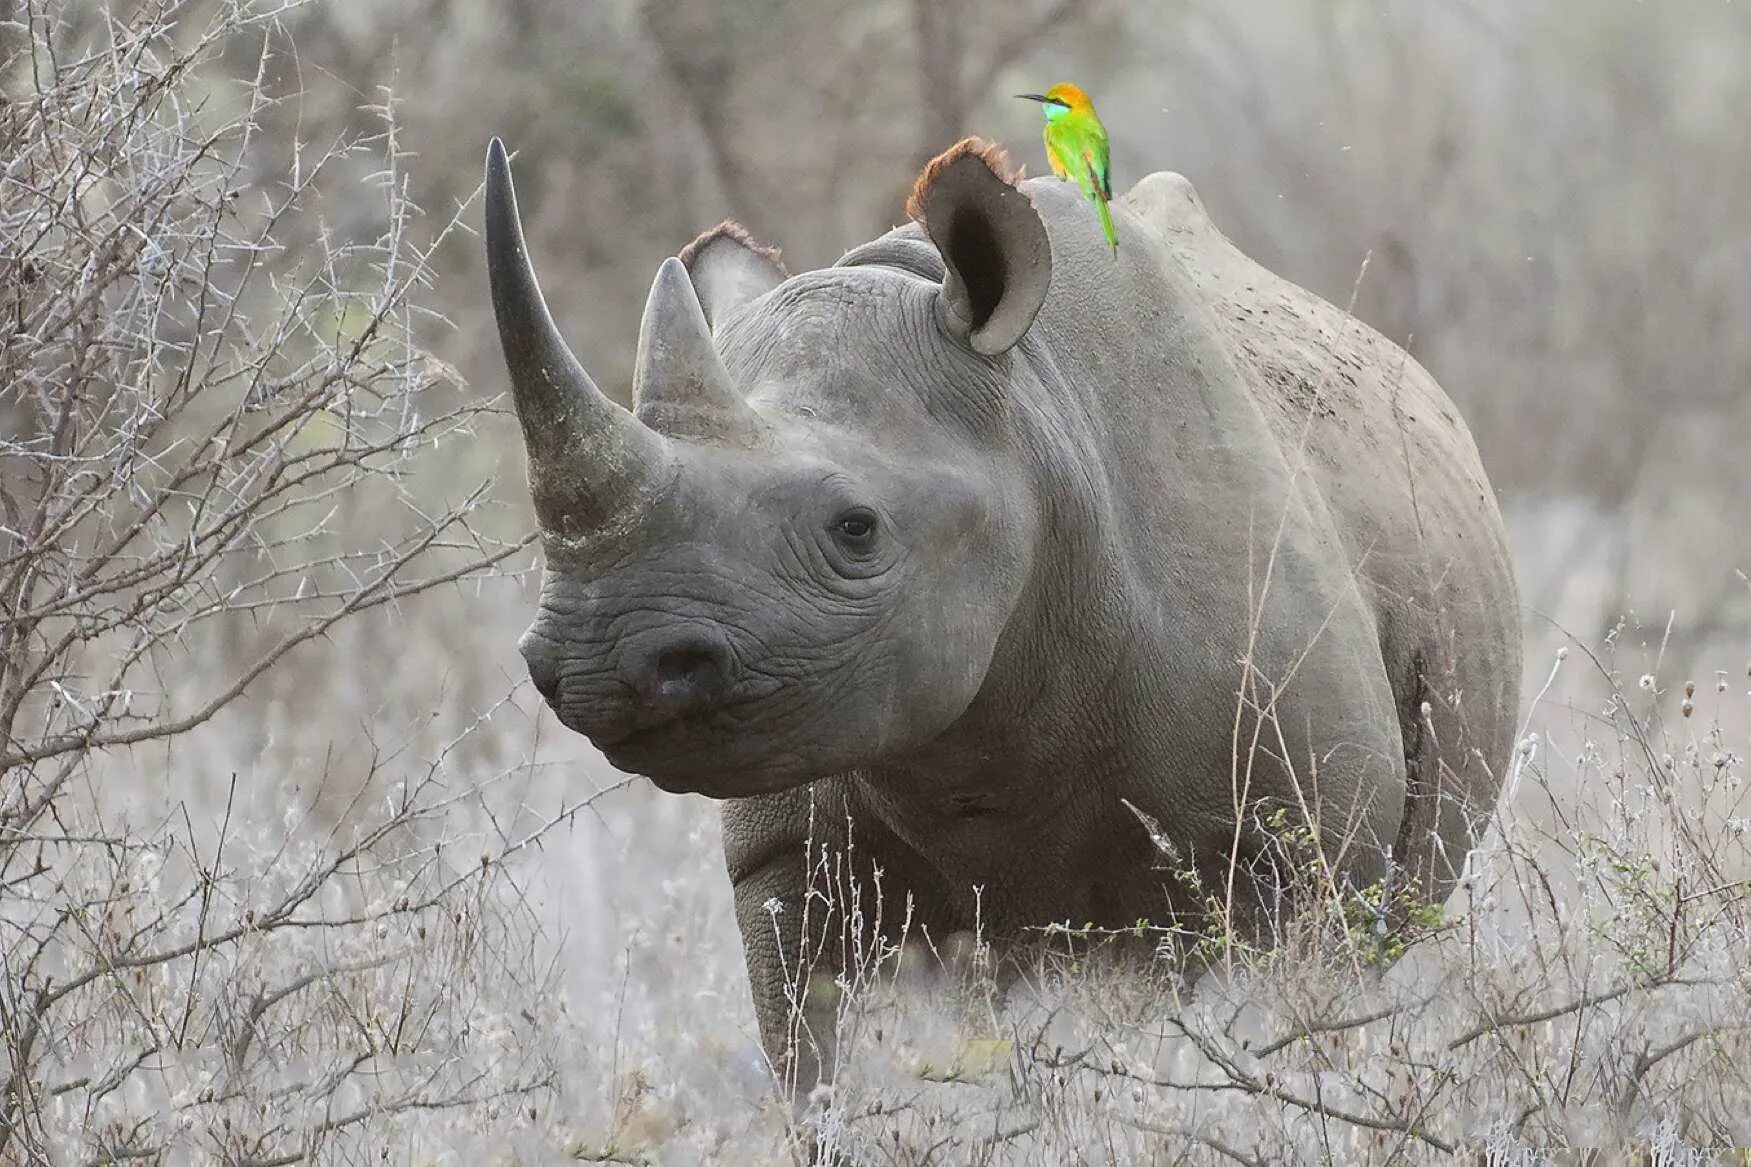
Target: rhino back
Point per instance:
(1383, 440)
(1401, 478)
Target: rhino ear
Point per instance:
(999, 263)
(729, 268)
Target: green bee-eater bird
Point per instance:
(1076, 146)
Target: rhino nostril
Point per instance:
(687, 677)
(679, 671)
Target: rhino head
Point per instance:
(800, 551)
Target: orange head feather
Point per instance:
(1071, 95)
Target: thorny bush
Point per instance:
(212, 404)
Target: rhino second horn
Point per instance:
(589, 459)
(680, 384)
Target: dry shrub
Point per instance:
(215, 411)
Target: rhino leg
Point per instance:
(1453, 722)
(814, 915)
(792, 968)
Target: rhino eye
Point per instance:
(855, 528)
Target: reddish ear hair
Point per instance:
(728, 269)
(996, 256)
(735, 232)
(991, 154)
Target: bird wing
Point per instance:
(1100, 172)
(1077, 148)
(1099, 159)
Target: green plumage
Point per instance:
(1076, 146)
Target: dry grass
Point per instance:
(1582, 998)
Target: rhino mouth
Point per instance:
(694, 757)
(615, 730)
(638, 740)
(706, 753)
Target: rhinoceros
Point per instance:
(1006, 565)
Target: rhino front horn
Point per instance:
(589, 459)
(680, 385)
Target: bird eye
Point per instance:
(855, 528)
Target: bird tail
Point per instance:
(1106, 219)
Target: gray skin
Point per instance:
(964, 543)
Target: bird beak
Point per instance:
(1039, 97)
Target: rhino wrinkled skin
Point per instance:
(968, 541)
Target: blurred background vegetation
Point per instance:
(1545, 202)
(1549, 199)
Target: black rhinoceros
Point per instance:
(981, 538)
